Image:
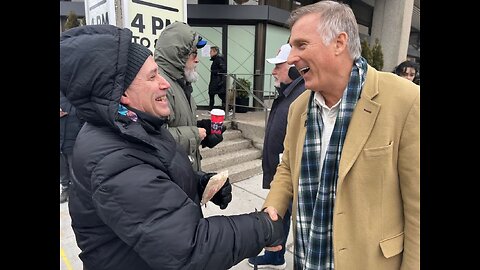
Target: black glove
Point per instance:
(223, 197)
(206, 124)
(273, 230)
(211, 140)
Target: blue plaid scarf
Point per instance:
(316, 190)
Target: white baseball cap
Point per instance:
(281, 56)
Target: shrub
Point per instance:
(374, 56)
(377, 55)
(72, 21)
(241, 85)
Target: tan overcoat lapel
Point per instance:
(360, 127)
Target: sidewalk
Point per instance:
(247, 195)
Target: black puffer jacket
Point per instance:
(135, 204)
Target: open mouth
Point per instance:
(304, 70)
(163, 98)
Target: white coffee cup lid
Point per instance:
(217, 112)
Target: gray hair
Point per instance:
(334, 18)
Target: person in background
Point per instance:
(218, 81)
(176, 54)
(135, 201)
(289, 85)
(70, 125)
(351, 159)
(408, 70)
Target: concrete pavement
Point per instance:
(247, 195)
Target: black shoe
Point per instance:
(64, 195)
(263, 262)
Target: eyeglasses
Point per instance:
(193, 53)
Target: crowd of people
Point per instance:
(135, 190)
(340, 157)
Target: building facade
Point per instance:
(249, 31)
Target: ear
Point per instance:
(341, 43)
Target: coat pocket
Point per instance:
(392, 246)
(379, 151)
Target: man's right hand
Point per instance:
(272, 228)
(272, 212)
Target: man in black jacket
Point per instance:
(135, 201)
(218, 81)
(289, 85)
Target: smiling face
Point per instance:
(148, 91)
(325, 68)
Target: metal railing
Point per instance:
(231, 94)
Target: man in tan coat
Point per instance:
(351, 161)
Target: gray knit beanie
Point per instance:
(137, 55)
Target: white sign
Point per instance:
(206, 51)
(100, 12)
(147, 19)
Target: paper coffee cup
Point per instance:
(217, 117)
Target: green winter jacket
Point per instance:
(171, 53)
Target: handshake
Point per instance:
(211, 139)
(272, 229)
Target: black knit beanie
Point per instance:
(137, 55)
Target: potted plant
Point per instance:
(243, 95)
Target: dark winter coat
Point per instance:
(135, 203)
(276, 128)
(218, 82)
(70, 125)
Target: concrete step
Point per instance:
(244, 170)
(220, 162)
(240, 151)
(252, 130)
(226, 146)
(231, 134)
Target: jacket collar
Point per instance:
(292, 86)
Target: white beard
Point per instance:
(191, 75)
(276, 82)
